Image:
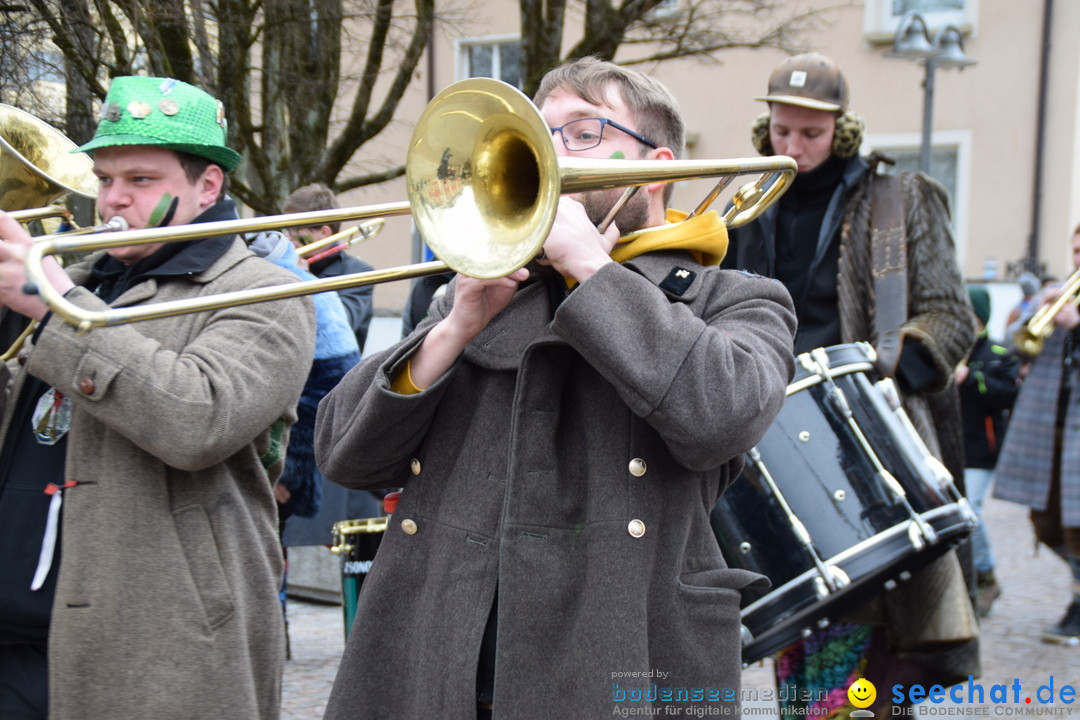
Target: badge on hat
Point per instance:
(138, 109)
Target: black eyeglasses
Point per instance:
(586, 133)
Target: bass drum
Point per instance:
(839, 497)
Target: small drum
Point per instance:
(355, 542)
(839, 497)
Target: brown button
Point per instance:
(86, 386)
(637, 467)
(415, 466)
(408, 527)
(636, 528)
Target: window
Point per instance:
(45, 66)
(498, 57)
(881, 17)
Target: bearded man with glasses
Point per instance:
(562, 434)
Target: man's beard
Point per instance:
(633, 216)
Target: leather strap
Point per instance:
(888, 243)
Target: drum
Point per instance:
(355, 543)
(839, 497)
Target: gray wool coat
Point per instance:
(167, 599)
(1024, 468)
(571, 464)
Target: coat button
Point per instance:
(415, 466)
(86, 386)
(636, 528)
(637, 467)
(408, 527)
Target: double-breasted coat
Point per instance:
(166, 602)
(566, 464)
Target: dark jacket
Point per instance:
(986, 397)
(571, 462)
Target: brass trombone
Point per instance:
(38, 167)
(315, 251)
(1031, 336)
(483, 182)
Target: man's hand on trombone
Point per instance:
(574, 247)
(14, 242)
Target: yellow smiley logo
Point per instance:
(862, 693)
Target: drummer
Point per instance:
(817, 241)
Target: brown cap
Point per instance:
(810, 80)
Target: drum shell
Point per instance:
(356, 543)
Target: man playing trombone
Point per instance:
(140, 556)
(561, 435)
(1039, 464)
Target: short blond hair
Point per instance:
(653, 105)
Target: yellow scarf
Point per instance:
(704, 237)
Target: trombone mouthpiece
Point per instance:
(117, 224)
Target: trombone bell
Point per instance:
(483, 178)
(37, 165)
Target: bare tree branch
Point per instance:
(281, 67)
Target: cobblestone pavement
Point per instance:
(1036, 593)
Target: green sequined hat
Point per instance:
(167, 113)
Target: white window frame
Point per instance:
(960, 203)
(461, 52)
(879, 22)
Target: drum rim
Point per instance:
(815, 377)
(943, 513)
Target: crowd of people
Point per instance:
(559, 435)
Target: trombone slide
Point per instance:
(483, 181)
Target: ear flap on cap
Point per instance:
(759, 135)
(847, 139)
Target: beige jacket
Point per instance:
(167, 598)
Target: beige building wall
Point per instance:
(987, 114)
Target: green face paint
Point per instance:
(163, 212)
(617, 155)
